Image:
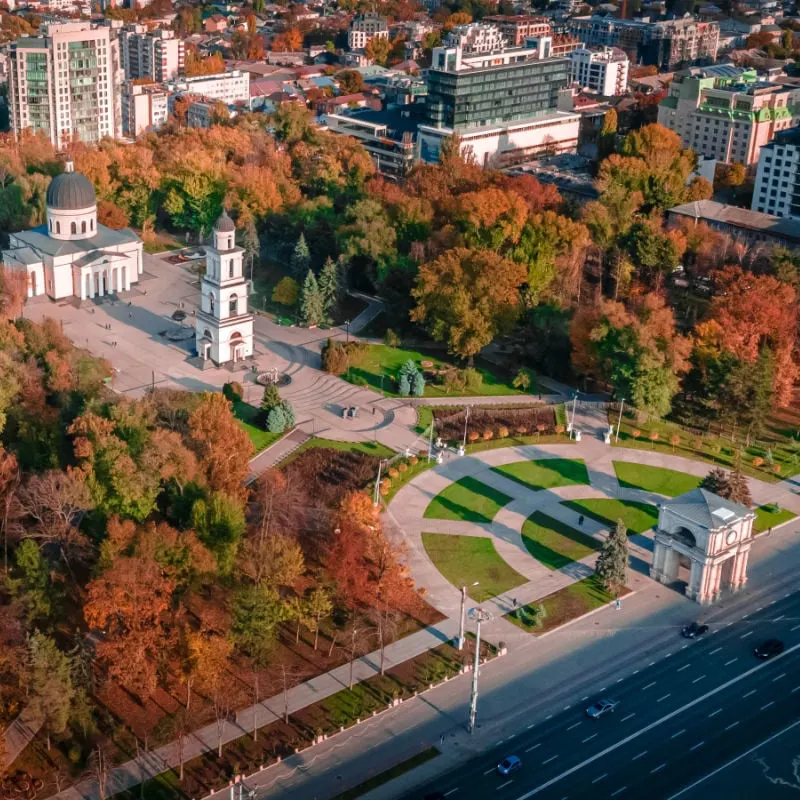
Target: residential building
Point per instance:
(144, 107)
(66, 83)
(204, 113)
(229, 87)
(516, 29)
(72, 255)
(751, 227)
(335, 105)
(365, 27)
(503, 106)
(216, 23)
(476, 37)
(728, 113)
(224, 324)
(155, 54)
(603, 71)
(777, 186)
(666, 44)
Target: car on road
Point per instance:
(694, 630)
(604, 706)
(768, 649)
(508, 765)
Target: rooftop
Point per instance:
(39, 240)
(707, 509)
(740, 218)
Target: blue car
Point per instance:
(509, 765)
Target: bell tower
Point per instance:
(224, 327)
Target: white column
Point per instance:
(91, 283)
(101, 283)
(82, 279)
(125, 278)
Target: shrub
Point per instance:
(386, 482)
(636, 433)
(473, 436)
(276, 420)
(560, 429)
(393, 473)
(473, 380)
(653, 436)
(286, 292)
(233, 391)
(391, 339)
(384, 490)
(521, 430)
(402, 466)
(502, 432)
(288, 413)
(522, 380)
(776, 468)
(423, 453)
(487, 434)
(697, 444)
(453, 381)
(413, 460)
(338, 356)
(674, 440)
(757, 461)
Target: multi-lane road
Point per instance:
(679, 718)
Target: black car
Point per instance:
(694, 630)
(768, 649)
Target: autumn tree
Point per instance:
(51, 689)
(196, 64)
(377, 50)
(350, 81)
(286, 292)
(289, 41)
(467, 298)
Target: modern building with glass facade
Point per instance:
(502, 105)
(66, 83)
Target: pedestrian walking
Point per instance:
(580, 520)
(441, 739)
(130, 315)
(515, 602)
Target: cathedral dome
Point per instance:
(70, 191)
(224, 224)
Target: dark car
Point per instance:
(601, 707)
(509, 765)
(694, 630)
(768, 649)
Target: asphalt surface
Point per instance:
(678, 718)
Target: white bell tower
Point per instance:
(224, 327)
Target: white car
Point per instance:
(603, 706)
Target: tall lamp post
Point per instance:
(464, 442)
(619, 421)
(347, 331)
(376, 500)
(479, 615)
(460, 641)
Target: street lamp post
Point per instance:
(347, 331)
(466, 423)
(376, 500)
(619, 421)
(430, 442)
(460, 642)
(479, 615)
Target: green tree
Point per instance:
(377, 49)
(318, 607)
(258, 6)
(194, 201)
(608, 134)
(329, 285)
(276, 420)
(716, 482)
(522, 380)
(34, 587)
(271, 398)
(612, 563)
(251, 244)
(286, 292)
(51, 688)
(312, 309)
(300, 261)
(257, 612)
(220, 523)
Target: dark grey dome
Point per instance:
(70, 191)
(224, 224)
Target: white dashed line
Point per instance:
(745, 635)
(767, 705)
(715, 650)
(635, 672)
(782, 675)
(533, 747)
(447, 794)
(584, 698)
(549, 716)
(696, 746)
(643, 753)
(503, 785)
(552, 758)
(600, 777)
(759, 609)
(685, 666)
(567, 708)
(728, 663)
(669, 694)
(714, 713)
(684, 647)
(679, 733)
(651, 663)
(574, 725)
(532, 725)
(728, 624)
(745, 616)
(653, 683)
(752, 691)
(589, 738)
(795, 628)
(619, 791)
(658, 768)
(778, 619)
(512, 736)
(796, 689)
(732, 725)
(499, 742)
(490, 770)
(628, 717)
(699, 678)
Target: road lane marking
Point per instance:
(670, 715)
(532, 725)
(728, 663)
(583, 699)
(490, 770)
(628, 717)
(684, 647)
(600, 777)
(716, 650)
(745, 616)
(796, 689)
(619, 791)
(752, 691)
(782, 675)
(447, 794)
(714, 713)
(539, 744)
(795, 628)
(733, 760)
(778, 619)
(767, 705)
(732, 725)
(745, 635)
(552, 758)
(574, 725)
(635, 672)
(549, 716)
(657, 769)
(685, 666)
(589, 738)
(499, 742)
(695, 746)
(567, 708)
(643, 753)
(651, 663)
(512, 736)
(619, 680)
(679, 733)
(648, 685)
(503, 785)
(698, 679)
(669, 694)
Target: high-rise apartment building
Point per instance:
(155, 54)
(503, 105)
(66, 83)
(667, 44)
(144, 107)
(516, 29)
(603, 71)
(777, 186)
(477, 37)
(365, 27)
(727, 113)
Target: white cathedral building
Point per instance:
(72, 255)
(224, 325)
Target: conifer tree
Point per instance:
(612, 563)
(51, 687)
(301, 258)
(312, 311)
(329, 285)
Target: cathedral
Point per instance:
(72, 256)
(224, 325)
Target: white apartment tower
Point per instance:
(365, 27)
(224, 326)
(155, 54)
(66, 83)
(777, 186)
(604, 71)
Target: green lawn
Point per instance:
(466, 559)
(562, 606)
(554, 543)
(379, 365)
(546, 473)
(467, 499)
(668, 482)
(769, 517)
(247, 415)
(639, 517)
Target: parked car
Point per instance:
(768, 649)
(694, 630)
(601, 707)
(508, 765)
